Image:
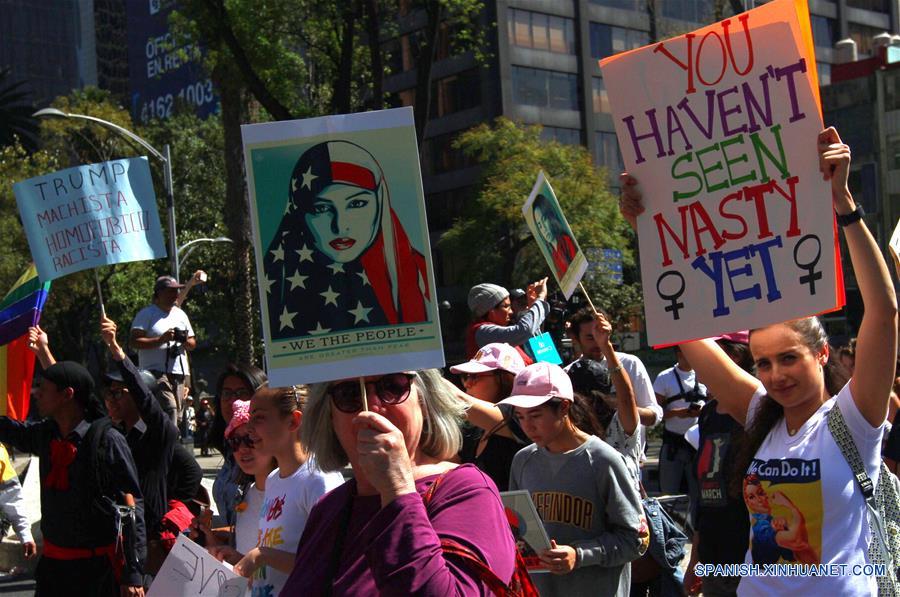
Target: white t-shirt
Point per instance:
(155, 322)
(643, 390)
(286, 507)
(812, 474)
(666, 385)
(628, 446)
(246, 525)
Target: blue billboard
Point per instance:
(160, 74)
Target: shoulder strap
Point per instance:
(93, 439)
(842, 437)
(681, 391)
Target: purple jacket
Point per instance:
(396, 550)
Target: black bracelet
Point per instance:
(854, 216)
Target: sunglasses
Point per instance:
(236, 441)
(390, 389)
(241, 394)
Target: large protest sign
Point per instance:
(92, 215)
(547, 223)
(342, 252)
(189, 570)
(719, 126)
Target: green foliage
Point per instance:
(493, 241)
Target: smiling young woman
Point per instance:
(818, 514)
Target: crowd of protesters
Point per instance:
(318, 494)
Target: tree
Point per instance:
(492, 242)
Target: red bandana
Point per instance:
(62, 454)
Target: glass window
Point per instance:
(877, 5)
(520, 23)
(863, 35)
(544, 88)
(599, 97)
(539, 31)
(562, 135)
(824, 70)
(608, 155)
(823, 30)
(695, 11)
(893, 152)
(638, 5)
(607, 40)
(539, 38)
(456, 92)
(892, 90)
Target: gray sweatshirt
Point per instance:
(587, 500)
(528, 325)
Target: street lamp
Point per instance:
(165, 157)
(190, 246)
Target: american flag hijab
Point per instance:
(310, 292)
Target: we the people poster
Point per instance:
(719, 126)
(91, 215)
(342, 250)
(553, 235)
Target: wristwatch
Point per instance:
(854, 216)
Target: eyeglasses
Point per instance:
(472, 377)
(115, 394)
(236, 441)
(390, 389)
(236, 394)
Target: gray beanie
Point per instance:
(484, 297)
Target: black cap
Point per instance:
(516, 294)
(166, 282)
(69, 374)
(589, 376)
(113, 374)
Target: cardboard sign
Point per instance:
(88, 216)
(544, 350)
(895, 248)
(547, 223)
(342, 250)
(720, 127)
(190, 571)
(527, 528)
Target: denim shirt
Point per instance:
(226, 492)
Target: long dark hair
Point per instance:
(769, 412)
(253, 377)
(581, 413)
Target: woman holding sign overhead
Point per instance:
(792, 470)
(389, 530)
(341, 257)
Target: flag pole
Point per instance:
(588, 297)
(99, 295)
(362, 393)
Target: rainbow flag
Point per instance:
(19, 310)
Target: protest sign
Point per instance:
(720, 127)
(190, 571)
(527, 528)
(342, 250)
(895, 248)
(547, 223)
(92, 215)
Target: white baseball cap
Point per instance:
(491, 357)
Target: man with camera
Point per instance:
(162, 334)
(681, 397)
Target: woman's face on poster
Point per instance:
(544, 225)
(343, 221)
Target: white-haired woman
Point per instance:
(386, 531)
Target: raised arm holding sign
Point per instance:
(716, 125)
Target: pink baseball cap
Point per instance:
(539, 383)
(491, 357)
(241, 416)
(742, 337)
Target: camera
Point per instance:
(180, 336)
